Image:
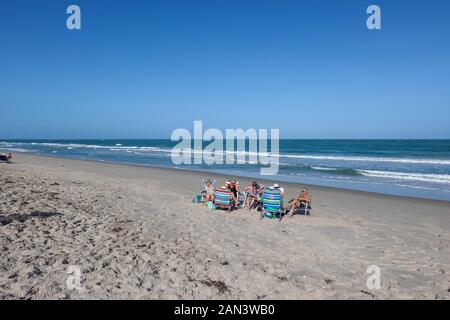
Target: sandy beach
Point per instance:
(134, 233)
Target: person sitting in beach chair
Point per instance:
(209, 191)
(300, 205)
(252, 194)
(206, 192)
(276, 186)
(233, 186)
(6, 157)
(272, 203)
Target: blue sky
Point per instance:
(140, 69)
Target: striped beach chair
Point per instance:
(222, 199)
(272, 204)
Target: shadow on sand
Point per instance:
(22, 217)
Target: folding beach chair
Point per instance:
(304, 208)
(222, 199)
(272, 204)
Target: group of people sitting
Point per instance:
(253, 195)
(6, 157)
(230, 185)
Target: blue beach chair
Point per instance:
(272, 204)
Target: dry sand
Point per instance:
(134, 233)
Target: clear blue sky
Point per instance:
(139, 69)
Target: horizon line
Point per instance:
(3, 139)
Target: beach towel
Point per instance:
(197, 198)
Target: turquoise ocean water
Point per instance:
(419, 168)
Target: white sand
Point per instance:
(134, 233)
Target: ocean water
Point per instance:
(418, 168)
